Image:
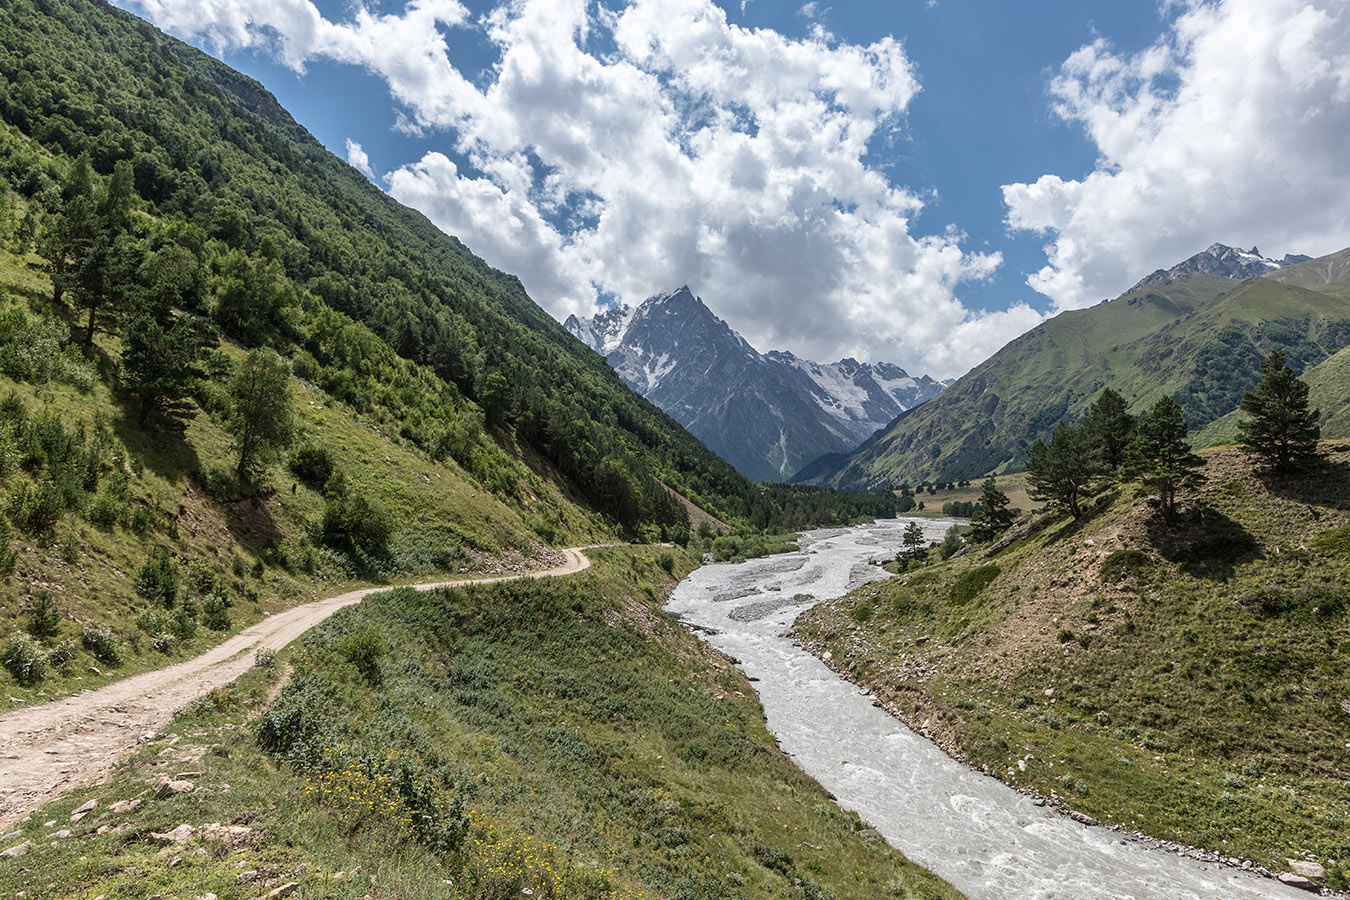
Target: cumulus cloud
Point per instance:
(690, 150)
(1232, 127)
(358, 159)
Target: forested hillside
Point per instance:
(275, 242)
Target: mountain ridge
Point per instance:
(766, 413)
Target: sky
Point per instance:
(911, 181)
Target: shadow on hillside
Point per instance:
(164, 451)
(1326, 483)
(250, 521)
(1203, 542)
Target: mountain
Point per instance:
(1224, 261)
(1199, 337)
(766, 414)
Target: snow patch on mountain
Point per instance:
(1225, 261)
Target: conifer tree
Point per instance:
(1064, 470)
(1282, 431)
(914, 544)
(1110, 426)
(1161, 457)
(993, 516)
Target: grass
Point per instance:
(1014, 485)
(1189, 682)
(565, 738)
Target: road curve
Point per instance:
(49, 749)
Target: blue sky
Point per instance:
(908, 181)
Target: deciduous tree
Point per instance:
(260, 420)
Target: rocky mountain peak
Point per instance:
(1224, 261)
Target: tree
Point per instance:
(1161, 457)
(1064, 470)
(70, 230)
(993, 515)
(915, 546)
(160, 363)
(1109, 425)
(260, 419)
(1282, 431)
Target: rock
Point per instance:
(284, 891)
(1297, 881)
(249, 875)
(180, 835)
(85, 809)
(19, 850)
(1309, 870)
(167, 788)
(122, 806)
(206, 897)
(50, 823)
(11, 836)
(184, 776)
(63, 833)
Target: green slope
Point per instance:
(1199, 339)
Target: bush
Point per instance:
(216, 611)
(363, 650)
(163, 643)
(951, 542)
(60, 656)
(44, 618)
(313, 465)
(969, 584)
(101, 643)
(24, 659)
(354, 525)
(265, 658)
(157, 580)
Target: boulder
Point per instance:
(1309, 870)
(19, 850)
(167, 788)
(284, 891)
(1297, 881)
(180, 835)
(122, 806)
(86, 808)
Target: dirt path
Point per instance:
(52, 748)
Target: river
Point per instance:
(982, 836)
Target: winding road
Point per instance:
(49, 749)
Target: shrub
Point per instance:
(9, 557)
(157, 580)
(44, 618)
(354, 524)
(105, 511)
(969, 584)
(163, 643)
(951, 542)
(861, 613)
(24, 659)
(216, 611)
(264, 658)
(313, 465)
(60, 656)
(1123, 563)
(363, 650)
(101, 643)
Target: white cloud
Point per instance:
(691, 151)
(1232, 127)
(358, 159)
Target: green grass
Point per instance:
(1186, 682)
(567, 721)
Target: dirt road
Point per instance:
(49, 749)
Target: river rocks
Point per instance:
(1309, 870)
(167, 788)
(20, 850)
(1297, 881)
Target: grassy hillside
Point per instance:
(561, 739)
(1200, 339)
(1191, 682)
(1328, 391)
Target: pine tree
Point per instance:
(993, 516)
(914, 543)
(1064, 470)
(1161, 457)
(1282, 431)
(1109, 425)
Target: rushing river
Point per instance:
(985, 838)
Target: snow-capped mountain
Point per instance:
(767, 414)
(1228, 262)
